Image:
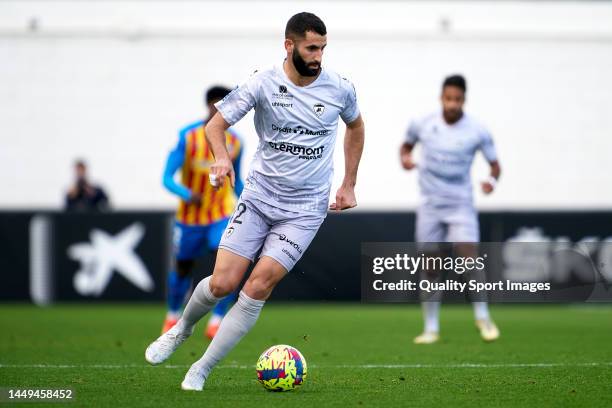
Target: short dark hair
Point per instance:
(299, 24)
(80, 163)
(456, 81)
(216, 93)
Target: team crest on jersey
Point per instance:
(318, 109)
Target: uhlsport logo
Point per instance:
(282, 105)
(318, 109)
(106, 254)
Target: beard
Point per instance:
(301, 67)
(453, 115)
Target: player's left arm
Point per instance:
(488, 150)
(353, 147)
(490, 183)
(230, 110)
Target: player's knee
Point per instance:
(221, 287)
(259, 287)
(184, 267)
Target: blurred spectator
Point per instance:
(84, 196)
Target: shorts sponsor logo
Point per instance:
(303, 152)
(229, 232)
(295, 245)
(289, 255)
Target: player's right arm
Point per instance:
(230, 110)
(173, 163)
(222, 167)
(406, 149)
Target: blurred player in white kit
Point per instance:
(286, 195)
(449, 141)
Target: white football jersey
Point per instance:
(447, 155)
(297, 128)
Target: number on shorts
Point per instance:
(239, 211)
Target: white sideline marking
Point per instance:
(461, 365)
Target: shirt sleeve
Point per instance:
(240, 101)
(350, 112)
(413, 132)
(487, 146)
(173, 163)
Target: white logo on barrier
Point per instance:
(107, 254)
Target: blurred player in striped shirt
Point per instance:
(203, 211)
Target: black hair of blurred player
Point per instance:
(453, 98)
(306, 27)
(213, 95)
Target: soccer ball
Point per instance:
(281, 368)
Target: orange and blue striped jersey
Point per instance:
(193, 156)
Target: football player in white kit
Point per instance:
(286, 194)
(449, 141)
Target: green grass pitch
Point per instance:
(358, 355)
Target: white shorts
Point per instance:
(284, 235)
(447, 224)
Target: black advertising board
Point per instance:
(124, 256)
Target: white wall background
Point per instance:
(113, 81)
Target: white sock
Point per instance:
(201, 302)
(481, 310)
(236, 323)
(431, 316)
